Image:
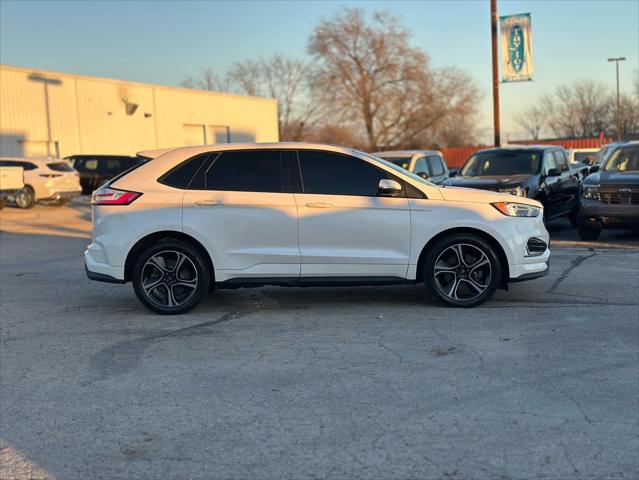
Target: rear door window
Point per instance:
(331, 173)
(245, 171)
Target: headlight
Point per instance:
(511, 209)
(518, 191)
(591, 192)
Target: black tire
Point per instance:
(586, 232)
(26, 197)
(147, 271)
(3, 203)
(440, 280)
(573, 217)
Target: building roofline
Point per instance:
(4, 66)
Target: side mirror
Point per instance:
(553, 172)
(453, 172)
(424, 175)
(593, 169)
(389, 188)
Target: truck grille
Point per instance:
(619, 194)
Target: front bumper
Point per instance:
(53, 195)
(603, 215)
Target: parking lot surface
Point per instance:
(361, 382)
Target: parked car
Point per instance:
(304, 214)
(539, 172)
(610, 195)
(578, 157)
(428, 164)
(11, 182)
(44, 179)
(95, 170)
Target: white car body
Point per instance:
(57, 183)
(11, 179)
(249, 235)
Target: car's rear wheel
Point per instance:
(26, 197)
(462, 270)
(171, 277)
(586, 232)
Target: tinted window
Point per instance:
(334, 174)
(17, 163)
(421, 167)
(549, 161)
(436, 166)
(502, 162)
(561, 160)
(60, 167)
(181, 176)
(246, 171)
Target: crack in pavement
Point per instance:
(574, 264)
(122, 357)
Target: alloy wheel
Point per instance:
(169, 278)
(462, 272)
(24, 199)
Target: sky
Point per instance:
(165, 41)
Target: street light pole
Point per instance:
(493, 32)
(618, 115)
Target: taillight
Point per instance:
(112, 196)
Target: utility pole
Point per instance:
(493, 32)
(618, 115)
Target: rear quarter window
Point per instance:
(182, 175)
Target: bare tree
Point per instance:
(381, 84)
(289, 81)
(207, 79)
(533, 120)
(583, 109)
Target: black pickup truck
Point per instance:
(95, 170)
(539, 172)
(610, 194)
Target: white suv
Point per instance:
(304, 214)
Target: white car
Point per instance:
(11, 182)
(303, 214)
(44, 179)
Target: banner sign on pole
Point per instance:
(516, 48)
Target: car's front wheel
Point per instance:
(171, 277)
(462, 270)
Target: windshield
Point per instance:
(503, 162)
(402, 162)
(623, 160)
(396, 168)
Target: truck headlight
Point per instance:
(591, 192)
(518, 191)
(511, 209)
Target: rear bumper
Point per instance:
(66, 195)
(97, 268)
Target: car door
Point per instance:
(436, 168)
(239, 205)
(551, 186)
(568, 184)
(345, 228)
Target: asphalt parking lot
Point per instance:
(361, 382)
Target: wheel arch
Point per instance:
(501, 253)
(152, 238)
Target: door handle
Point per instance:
(205, 203)
(319, 205)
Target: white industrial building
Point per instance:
(45, 113)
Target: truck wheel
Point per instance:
(586, 232)
(26, 198)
